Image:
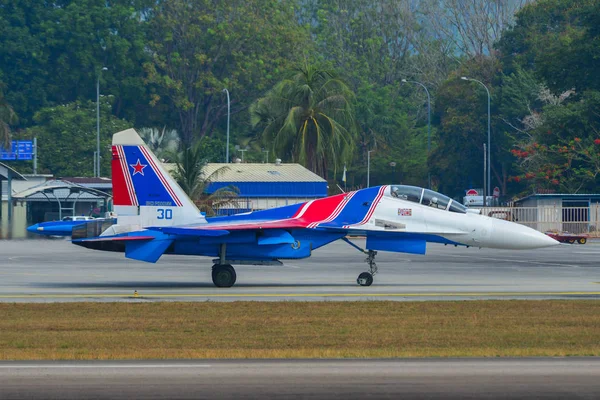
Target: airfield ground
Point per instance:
(56, 270)
(59, 301)
(172, 330)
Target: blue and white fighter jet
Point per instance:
(156, 217)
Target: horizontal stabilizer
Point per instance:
(400, 245)
(147, 251)
(275, 236)
(191, 231)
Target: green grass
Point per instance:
(299, 329)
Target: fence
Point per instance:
(552, 218)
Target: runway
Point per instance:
(307, 379)
(45, 270)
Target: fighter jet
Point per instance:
(156, 217)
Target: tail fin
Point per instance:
(144, 193)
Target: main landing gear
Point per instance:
(223, 274)
(365, 278)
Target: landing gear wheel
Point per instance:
(223, 275)
(582, 240)
(365, 279)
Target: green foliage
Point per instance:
(67, 137)
(52, 53)
(461, 115)
(168, 62)
(563, 151)
(164, 142)
(8, 117)
(201, 47)
(308, 118)
(554, 121)
(189, 174)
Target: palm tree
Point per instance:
(7, 118)
(189, 174)
(308, 118)
(163, 143)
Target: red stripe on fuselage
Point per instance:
(322, 209)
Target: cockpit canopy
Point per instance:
(426, 197)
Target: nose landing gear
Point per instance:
(366, 278)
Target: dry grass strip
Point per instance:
(69, 331)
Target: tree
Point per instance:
(67, 137)
(551, 54)
(308, 118)
(164, 142)
(8, 117)
(200, 47)
(472, 26)
(461, 115)
(189, 174)
(52, 53)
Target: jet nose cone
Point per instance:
(510, 235)
(33, 228)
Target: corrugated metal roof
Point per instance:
(5, 171)
(275, 189)
(563, 195)
(257, 172)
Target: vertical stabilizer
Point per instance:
(144, 193)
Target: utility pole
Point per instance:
(228, 117)
(428, 127)
(488, 190)
(369, 167)
(97, 165)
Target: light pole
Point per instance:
(428, 126)
(267, 153)
(228, 116)
(487, 191)
(97, 166)
(369, 167)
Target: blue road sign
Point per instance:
(20, 150)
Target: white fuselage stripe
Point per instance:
(160, 176)
(336, 212)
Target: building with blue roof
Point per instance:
(262, 186)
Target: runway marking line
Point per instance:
(259, 295)
(128, 366)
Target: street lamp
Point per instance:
(489, 180)
(428, 126)
(369, 167)
(228, 116)
(97, 160)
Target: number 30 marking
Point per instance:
(164, 213)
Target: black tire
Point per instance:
(365, 279)
(223, 275)
(571, 241)
(582, 241)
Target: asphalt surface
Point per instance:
(305, 379)
(55, 270)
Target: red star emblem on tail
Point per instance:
(138, 168)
